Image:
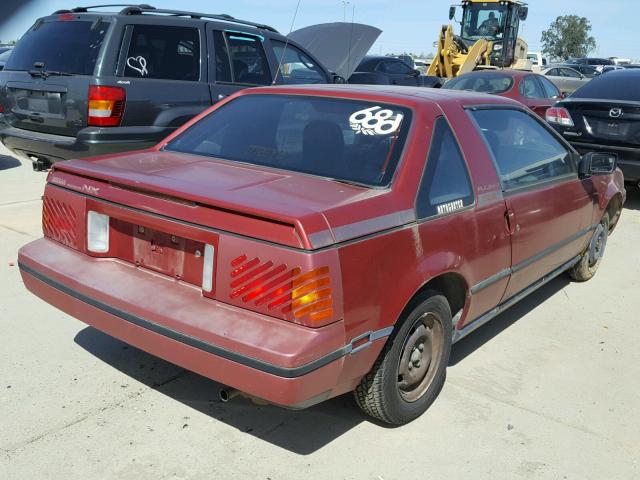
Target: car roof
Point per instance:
(389, 94)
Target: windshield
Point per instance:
(481, 82)
(63, 46)
(483, 20)
(346, 140)
(4, 56)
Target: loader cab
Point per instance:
(497, 22)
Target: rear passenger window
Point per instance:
(524, 151)
(240, 58)
(161, 52)
(445, 185)
(530, 88)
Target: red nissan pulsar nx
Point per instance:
(298, 243)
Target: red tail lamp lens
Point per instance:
(306, 297)
(106, 106)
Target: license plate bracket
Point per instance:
(159, 251)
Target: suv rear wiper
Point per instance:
(39, 71)
(49, 73)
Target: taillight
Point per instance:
(59, 222)
(559, 116)
(305, 297)
(106, 106)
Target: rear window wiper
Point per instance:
(39, 71)
(49, 73)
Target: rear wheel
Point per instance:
(590, 260)
(408, 375)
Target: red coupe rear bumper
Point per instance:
(278, 361)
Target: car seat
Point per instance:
(323, 148)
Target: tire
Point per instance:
(410, 371)
(590, 260)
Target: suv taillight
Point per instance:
(559, 116)
(106, 106)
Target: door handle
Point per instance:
(510, 220)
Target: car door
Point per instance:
(534, 93)
(399, 73)
(549, 209)
(237, 60)
(572, 79)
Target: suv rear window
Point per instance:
(481, 82)
(352, 141)
(63, 46)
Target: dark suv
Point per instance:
(83, 82)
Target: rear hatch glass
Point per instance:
(62, 46)
(48, 75)
(481, 82)
(345, 140)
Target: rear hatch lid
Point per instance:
(296, 210)
(45, 82)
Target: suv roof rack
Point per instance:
(130, 9)
(86, 9)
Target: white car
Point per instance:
(566, 79)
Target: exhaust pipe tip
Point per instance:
(227, 394)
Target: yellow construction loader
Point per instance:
(488, 39)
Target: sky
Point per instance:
(407, 25)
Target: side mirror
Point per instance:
(452, 13)
(563, 95)
(337, 79)
(523, 13)
(416, 73)
(596, 163)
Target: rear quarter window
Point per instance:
(162, 52)
(64, 46)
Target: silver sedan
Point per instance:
(566, 79)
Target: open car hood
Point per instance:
(339, 46)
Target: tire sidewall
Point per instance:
(398, 409)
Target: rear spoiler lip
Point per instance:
(307, 240)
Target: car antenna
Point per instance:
(286, 43)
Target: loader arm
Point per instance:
(450, 61)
